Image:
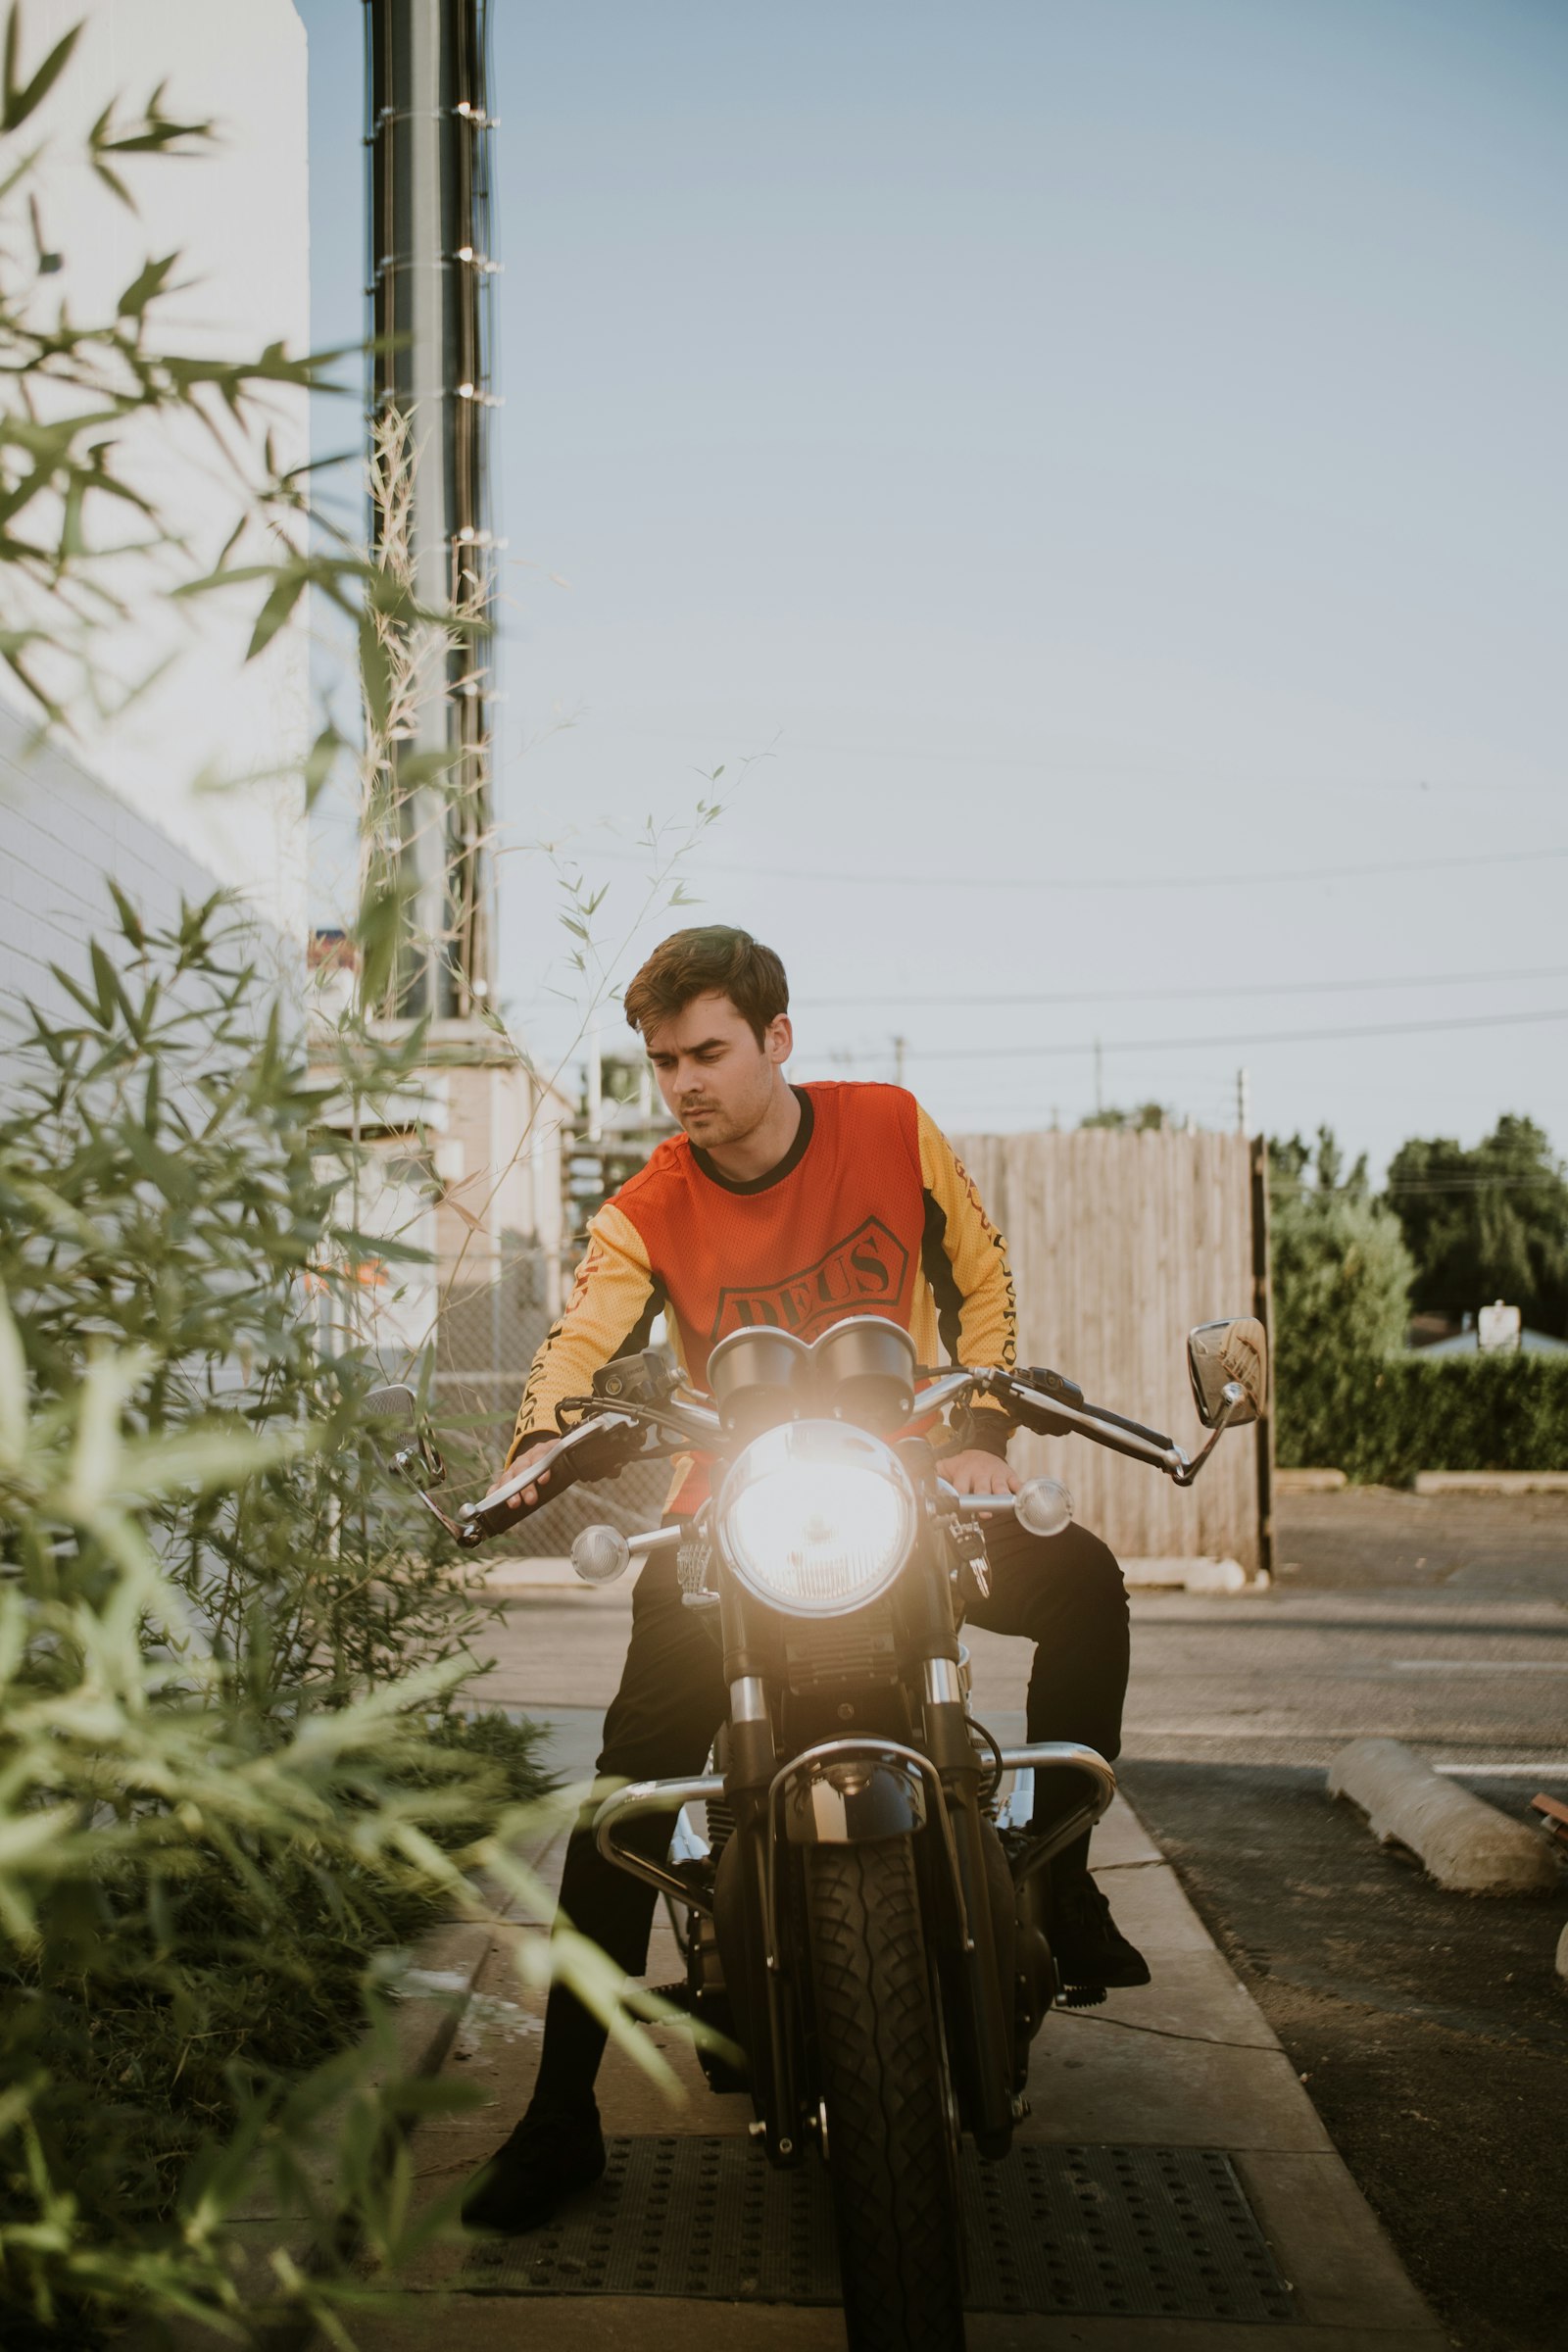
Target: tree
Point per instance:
(1342, 1281)
(1146, 1119)
(1490, 1222)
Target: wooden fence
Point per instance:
(1119, 1243)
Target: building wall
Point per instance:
(238, 217)
(62, 832)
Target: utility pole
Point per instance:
(428, 144)
(1244, 1102)
(899, 1045)
(1100, 1077)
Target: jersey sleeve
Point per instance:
(965, 1261)
(615, 1298)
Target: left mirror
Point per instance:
(416, 1456)
(395, 1403)
(1226, 1355)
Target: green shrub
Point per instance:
(1494, 1413)
(229, 1647)
(1340, 1282)
(1348, 1395)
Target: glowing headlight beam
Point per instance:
(816, 1518)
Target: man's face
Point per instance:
(713, 1075)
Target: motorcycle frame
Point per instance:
(879, 1787)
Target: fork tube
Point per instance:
(987, 2021)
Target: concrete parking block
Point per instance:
(1464, 1843)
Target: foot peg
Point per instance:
(1080, 1997)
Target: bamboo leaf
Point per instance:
(13, 1386)
(109, 1383)
(276, 612)
(206, 1459)
(21, 101)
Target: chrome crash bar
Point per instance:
(635, 1803)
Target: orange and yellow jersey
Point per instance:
(869, 1212)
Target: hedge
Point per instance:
(1498, 1412)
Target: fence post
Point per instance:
(1263, 1309)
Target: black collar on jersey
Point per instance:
(791, 1159)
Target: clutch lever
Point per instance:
(492, 1514)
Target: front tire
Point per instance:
(890, 2159)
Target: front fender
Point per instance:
(851, 1800)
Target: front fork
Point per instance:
(983, 2011)
(973, 1918)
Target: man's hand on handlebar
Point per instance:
(977, 1472)
(528, 1496)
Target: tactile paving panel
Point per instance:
(1140, 2232)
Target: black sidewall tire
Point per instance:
(889, 2152)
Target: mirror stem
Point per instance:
(1234, 1397)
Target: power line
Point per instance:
(863, 879)
(1143, 996)
(1251, 1037)
(1054, 769)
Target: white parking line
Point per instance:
(1530, 1770)
(1480, 1665)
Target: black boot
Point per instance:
(1089, 1946)
(551, 2154)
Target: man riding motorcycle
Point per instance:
(795, 1207)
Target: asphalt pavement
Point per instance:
(1430, 2028)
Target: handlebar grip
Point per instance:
(1044, 1384)
(587, 1451)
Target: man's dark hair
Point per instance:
(709, 960)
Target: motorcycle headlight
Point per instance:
(816, 1518)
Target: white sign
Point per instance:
(1498, 1329)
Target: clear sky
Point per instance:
(1109, 460)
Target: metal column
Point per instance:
(428, 214)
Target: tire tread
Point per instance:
(889, 2156)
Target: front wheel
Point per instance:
(890, 2159)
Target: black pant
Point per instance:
(1064, 1592)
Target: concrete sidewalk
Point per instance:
(1187, 2061)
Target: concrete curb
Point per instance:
(442, 1972)
(1490, 1482)
(518, 1579)
(1309, 1482)
(1201, 1575)
(546, 1574)
(1465, 1844)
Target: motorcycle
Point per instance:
(865, 1917)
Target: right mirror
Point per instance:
(1222, 1354)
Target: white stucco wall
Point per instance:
(238, 216)
(61, 834)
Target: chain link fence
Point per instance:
(487, 1337)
